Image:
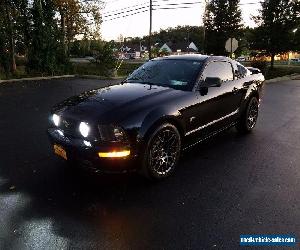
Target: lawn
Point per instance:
(124, 69)
(281, 70)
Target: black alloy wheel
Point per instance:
(252, 114)
(248, 120)
(162, 152)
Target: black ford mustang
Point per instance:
(162, 108)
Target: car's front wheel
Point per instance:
(248, 120)
(162, 152)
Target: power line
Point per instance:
(132, 14)
(162, 2)
(112, 1)
(125, 8)
(128, 11)
(177, 8)
(124, 12)
(177, 4)
(248, 3)
(174, 8)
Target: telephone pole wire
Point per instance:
(150, 32)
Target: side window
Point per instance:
(242, 71)
(223, 70)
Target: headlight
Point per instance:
(56, 119)
(84, 129)
(112, 133)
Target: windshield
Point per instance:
(177, 74)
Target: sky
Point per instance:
(138, 25)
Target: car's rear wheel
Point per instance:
(248, 120)
(162, 152)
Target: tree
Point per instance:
(78, 17)
(277, 20)
(223, 20)
(179, 34)
(42, 30)
(8, 13)
(45, 51)
(4, 44)
(296, 40)
(104, 54)
(22, 27)
(164, 52)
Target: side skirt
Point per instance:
(209, 136)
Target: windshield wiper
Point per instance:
(138, 81)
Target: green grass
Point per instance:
(90, 69)
(20, 73)
(95, 69)
(282, 70)
(127, 68)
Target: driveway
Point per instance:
(225, 187)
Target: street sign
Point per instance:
(231, 45)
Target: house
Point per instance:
(132, 50)
(179, 48)
(261, 55)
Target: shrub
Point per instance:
(282, 71)
(104, 55)
(262, 65)
(127, 68)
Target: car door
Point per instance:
(222, 99)
(242, 82)
(213, 107)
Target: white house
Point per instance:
(176, 48)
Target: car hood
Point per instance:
(114, 101)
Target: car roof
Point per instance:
(193, 57)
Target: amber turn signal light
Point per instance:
(114, 154)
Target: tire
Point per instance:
(248, 119)
(161, 153)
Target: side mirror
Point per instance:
(212, 82)
(209, 83)
(254, 70)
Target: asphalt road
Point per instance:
(228, 186)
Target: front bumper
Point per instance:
(86, 153)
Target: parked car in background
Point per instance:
(241, 59)
(296, 60)
(164, 107)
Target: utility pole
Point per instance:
(188, 42)
(204, 28)
(150, 32)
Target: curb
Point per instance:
(63, 76)
(100, 77)
(37, 78)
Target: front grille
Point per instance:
(70, 127)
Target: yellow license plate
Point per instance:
(60, 151)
